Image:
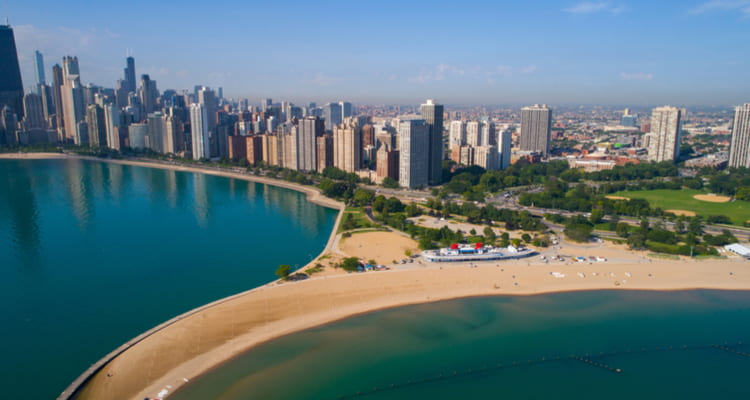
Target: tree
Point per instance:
(516, 242)
(283, 271)
(596, 216)
(426, 244)
(362, 197)
(622, 229)
(526, 238)
(473, 232)
(389, 183)
(489, 234)
(350, 264)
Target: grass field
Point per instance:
(737, 211)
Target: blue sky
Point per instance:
(461, 52)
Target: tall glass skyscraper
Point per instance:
(432, 113)
(11, 87)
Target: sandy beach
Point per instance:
(181, 349)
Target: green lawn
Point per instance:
(737, 211)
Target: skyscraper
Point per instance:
(333, 115)
(304, 144)
(74, 108)
(39, 64)
(414, 161)
(33, 111)
(207, 97)
(199, 131)
(346, 109)
(739, 151)
(504, 145)
(664, 138)
(457, 136)
(57, 83)
(148, 94)
(97, 127)
(11, 86)
(129, 82)
(473, 133)
(536, 122)
(433, 116)
(112, 121)
(347, 147)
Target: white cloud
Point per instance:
(638, 76)
(741, 6)
(591, 7)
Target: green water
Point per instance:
(94, 254)
(453, 350)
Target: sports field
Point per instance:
(737, 211)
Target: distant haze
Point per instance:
(470, 52)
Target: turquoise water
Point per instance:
(95, 253)
(480, 348)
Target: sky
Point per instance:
(468, 52)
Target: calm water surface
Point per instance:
(466, 349)
(92, 254)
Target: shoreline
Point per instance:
(313, 194)
(204, 341)
(185, 347)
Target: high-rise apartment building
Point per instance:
(11, 86)
(387, 162)
(473, 133)
(504, 147)
(347, 147)
(536, 123)
(97, 126)
(664, 138)
(432, 113)
(207, 97)
(324, 150)
(33, 111)
(112, 122)
(74, 108)
(739, 151)
(57, 84)
(414, 161)
(157, 132)
(303, 145)
(199, 131)
(148, 94)
(457, 134)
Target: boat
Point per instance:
(476, 252)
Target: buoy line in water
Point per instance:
(588, 359)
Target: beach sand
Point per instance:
(181, 349)
(203, 340)
(383, 247)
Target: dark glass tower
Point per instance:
(11, 87)
(432, 113)
(129, 83)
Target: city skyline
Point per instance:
(629, 52)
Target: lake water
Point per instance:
(508, 347)
(95, 253)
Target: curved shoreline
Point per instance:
(205, 340)
(312, 195)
